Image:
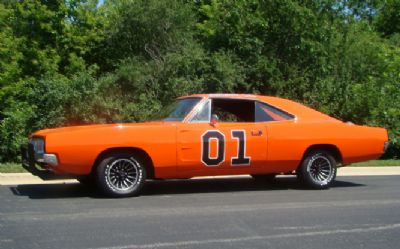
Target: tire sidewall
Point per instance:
(110, 190)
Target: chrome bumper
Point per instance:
(39, 166)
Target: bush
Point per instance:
(73, 63)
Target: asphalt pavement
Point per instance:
(357, 212)
(27, 178)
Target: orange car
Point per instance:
(206, 135)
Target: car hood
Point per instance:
(70, 129)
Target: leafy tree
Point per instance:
(52, 36)
(147, 28)
(79, 62)
(388, 20)
(9, 54)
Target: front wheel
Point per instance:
(318, 170)
(121, 175)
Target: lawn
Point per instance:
(377, 163)
(11, 168)
(17, 168)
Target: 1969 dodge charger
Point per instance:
(206, 135)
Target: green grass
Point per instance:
(17, 168)
(11, 168)
(377, 163)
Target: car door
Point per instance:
(207, 147)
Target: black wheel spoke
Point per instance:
(122, 174)
(320, 168)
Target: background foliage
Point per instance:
(69, 62)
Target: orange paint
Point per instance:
(175, 148)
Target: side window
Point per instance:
(265, 113)
(203, 114)
(225, 116)
(233, 110)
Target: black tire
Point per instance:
(318, 169)
(121, 175)
(264, 177)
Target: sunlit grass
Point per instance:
(11, 168)
(378, 163)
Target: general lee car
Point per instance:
(206, 135)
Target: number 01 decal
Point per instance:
(208, 160)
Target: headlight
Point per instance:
(38, 145)
(39, 154)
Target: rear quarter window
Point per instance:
(266, 113)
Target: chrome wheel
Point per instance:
(123, 174)
(320, 169)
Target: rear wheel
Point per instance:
(318, 169)
(121, 175)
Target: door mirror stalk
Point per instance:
(214, 120)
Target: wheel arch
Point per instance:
(331, 148)
(129, 150)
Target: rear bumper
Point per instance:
(36, 168)
(387, 146)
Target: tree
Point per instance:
(388, 20)
(77, 62)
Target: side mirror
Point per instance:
(214, 120)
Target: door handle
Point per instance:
(256, 133)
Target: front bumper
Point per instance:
(40, 167)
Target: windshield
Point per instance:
(177, 110)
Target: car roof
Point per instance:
(300, 111)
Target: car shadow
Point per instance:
(54, 191)
(170, 187)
